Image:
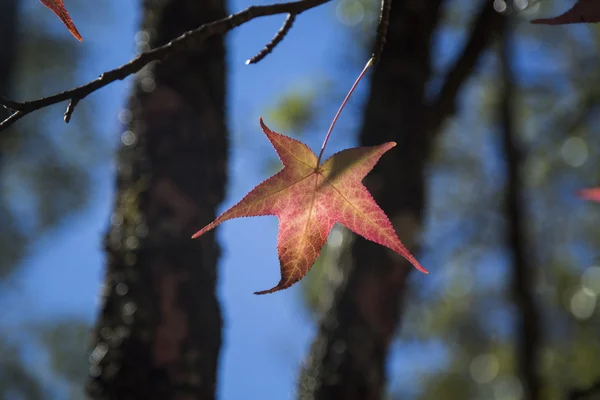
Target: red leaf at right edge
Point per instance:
(590, 194)
(58, 8)
(582, 11)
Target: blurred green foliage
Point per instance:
(295, 111)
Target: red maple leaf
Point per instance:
(582, 11)
(309, 198)
(590, 194)
(58, 8)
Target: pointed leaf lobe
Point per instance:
(58, 8)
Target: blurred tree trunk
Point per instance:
(528, 331)
(159, 331)
(8, 51)
(348, 357)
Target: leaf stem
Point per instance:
(337, 115)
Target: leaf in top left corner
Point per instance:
(58, 8)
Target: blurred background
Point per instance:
(101, 290)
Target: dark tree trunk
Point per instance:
(159, 331)
(348, 357)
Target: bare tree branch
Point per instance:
(188, 41)
(279, 36)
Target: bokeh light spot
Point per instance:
(500, 6)
(125, 116)
(574, 151)
(484, 368)
(350, 12)
(147, 84)
(520, 5)
(128, 138)
(583, 303)
(121, 289)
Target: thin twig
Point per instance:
(70, 108)
(285, 28)
(382, 27)
(188, 41)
